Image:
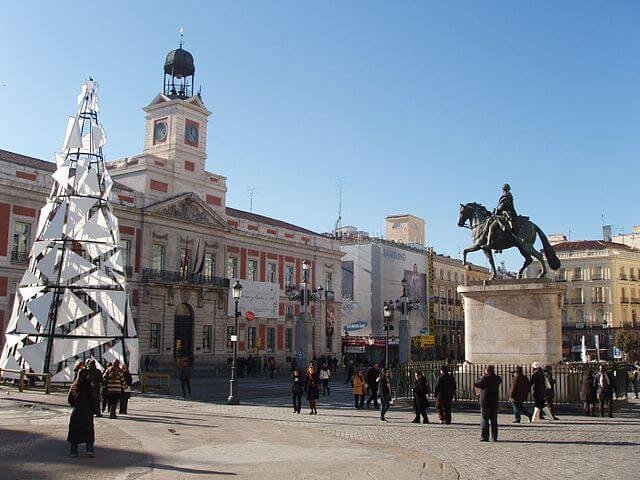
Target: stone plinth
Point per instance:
(513, 322)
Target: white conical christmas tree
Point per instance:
(71, 302)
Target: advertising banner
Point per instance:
(258, 298)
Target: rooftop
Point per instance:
(590, 245)
(254, 217)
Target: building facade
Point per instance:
(407, 229)
(182, 245)
(603, 294)
(447, 306)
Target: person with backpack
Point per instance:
(605, 385)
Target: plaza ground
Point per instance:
(166, 437)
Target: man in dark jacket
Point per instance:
(489, 385)
(420, 402)
(444, 392)
(372, 382)
(518, 394)
(538, 386)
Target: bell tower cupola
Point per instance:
(179, 70)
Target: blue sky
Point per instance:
(416, 105)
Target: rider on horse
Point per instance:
(504, 214)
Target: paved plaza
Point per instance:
(167, 437)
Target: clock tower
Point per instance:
(176, 120)
(173, 160)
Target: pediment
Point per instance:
(190, 208)
(158, 99)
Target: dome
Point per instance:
(179, 63)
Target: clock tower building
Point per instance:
(174, 155)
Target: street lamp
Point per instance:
(388, 314)
(304, 295)
(233, 399)
(404, 305)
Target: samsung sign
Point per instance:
(355, 326)
(386, 252)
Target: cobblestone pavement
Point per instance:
(265, 439)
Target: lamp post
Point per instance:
(305, 328)
(388, 314)
(233, 383)
(404, 305)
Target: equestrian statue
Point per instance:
(504, 229)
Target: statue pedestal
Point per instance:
(513, 322)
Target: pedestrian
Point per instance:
(313, 389)
(420, 402)
(325, 376)
(518, 394)
(357, 383)
(538, 385)
(350, 370)
(126, 392)
(272, 366)
(489, 385)
(605, 384)
(81, 421)
(77, 367)
(588, 393)
(115, 386)
(444, 392)
(104, 390)
(635, 379)
(297, 389)
(95, 382)
(385, 392)
(549, 392)
(372, 382)
(147, 363)
(185, 377)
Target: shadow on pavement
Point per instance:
(195, 471)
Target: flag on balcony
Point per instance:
(72, 302)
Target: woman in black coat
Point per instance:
(313, 390)
(588, 393)
(81, 421)
(420, 402)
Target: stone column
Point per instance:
(405, 337)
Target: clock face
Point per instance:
(160, 131)
(191, 134)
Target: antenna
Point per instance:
(339, 220)
(252, 193)
(181, 36)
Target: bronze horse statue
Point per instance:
(522, 238)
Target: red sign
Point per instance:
(250, 315)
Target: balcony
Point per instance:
(577, 301)
(577, 278)
(597, 277)
(623, 276)
(165, 276)
(599, 300)
(635, 300)
(561, 279)
(624, 299)
(19, 258)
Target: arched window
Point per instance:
(579, 316)
(599, 316)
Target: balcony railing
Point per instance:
(20, 257)
(561, 279)
(166, 276)
(599, 300)
(577, 278)
(577, 301)
(623, 276)
(624, 299)
(597, 277)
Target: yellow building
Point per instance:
(406, 228)
(603, 292)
